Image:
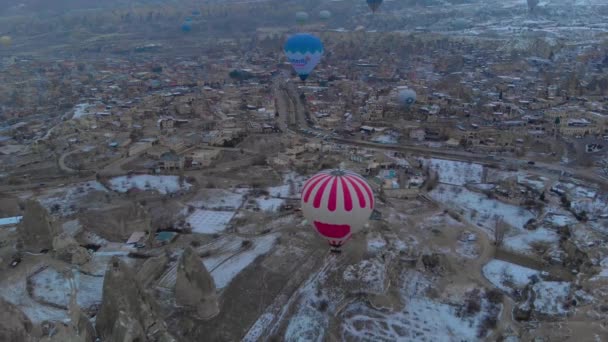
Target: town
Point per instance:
(151, 176)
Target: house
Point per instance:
(418, 134)
(200, 158)
(171, 161)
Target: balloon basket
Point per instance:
(335, 250)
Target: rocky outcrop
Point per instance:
(67, 249)
(14, 325)
(195, 288)
(152, 269)
(117, 223)
(127, 312)
(36, 230)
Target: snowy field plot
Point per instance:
(224, 268)
(51, 286)
(162, 184)
(421, 319)
(550, 297)
(217, 199)
(536, 183)
(16, 293)
(523, 242)
(64, 201)
(208, 221)
(506, 276)
(560, 220)
(455, 172)
(385, 139)
(480, 209)
(269, 204)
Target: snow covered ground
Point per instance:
(550, 297)
(456, 172)
(507, 276)
(52, 287)
(162, 184)
(534, 182)
(480, 209)
(368, 276)
(269, 204)
(224, 267)
(421, 319)
(385, 139)
(217, 199)
(523, 242)
(65, 201)
(209, 221)
(15, 292)
(81, 110)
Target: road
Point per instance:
(289, 106)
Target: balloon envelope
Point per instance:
(406, 97)
(337, 203)
(304, 52)
(374, 4)
(186, 27)
(6, 40)
(325, 15)
(301, 17)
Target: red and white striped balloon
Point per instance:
(337, 203)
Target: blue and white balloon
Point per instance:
(304, 52)
(406, 97)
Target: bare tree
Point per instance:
(500, 229)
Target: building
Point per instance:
(418, 134)
(171, 161)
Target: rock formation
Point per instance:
(116, 223)
(67, 249)
(195, 288)
(36, 230)
(127, 312)
(152, 269)
(14, 325)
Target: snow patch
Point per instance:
(550, 297)
(506, 276)
(162, 184)
(523, 243)
(209, 221)
(456, 172)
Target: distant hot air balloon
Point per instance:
(325, 15)
(532, 5)
(186, 27)
(304, 52)
(6, 41)
(337, 203)
(406, 97)
(374, 4)
(301, 17)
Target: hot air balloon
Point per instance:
(406, 97)
(532, 5)
(6, 41)
(325, 15)
(337, 203)
(186, 27)
(304, 52)
(301, 17)
(374, 4)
